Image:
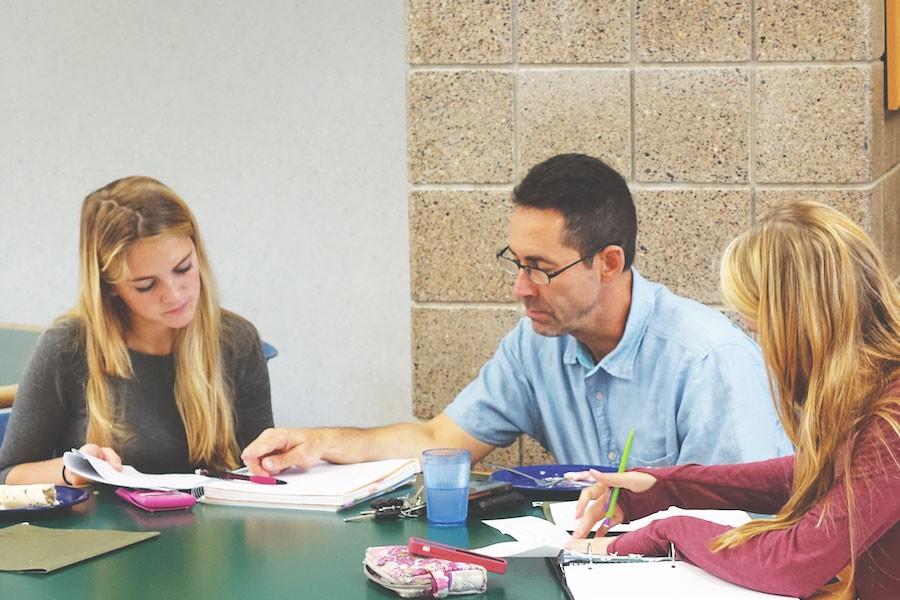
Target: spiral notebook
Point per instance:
(323, 487)
(585, 577)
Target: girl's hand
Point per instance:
(592, 504)
(598, 545)
(104, 452)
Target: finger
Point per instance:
(254, 465)
(276, 463)
(578, 476)
(593, 513)
(631, 481)
(269, 441)
(611, 480)
(587, 496)
(584, 526)
(90, 450)
(110, 456)
(603, 529)
(303, 448)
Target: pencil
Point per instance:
(623, 464)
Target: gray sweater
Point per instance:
(49, 414)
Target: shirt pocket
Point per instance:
(652, 460)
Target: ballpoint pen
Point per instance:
(614, 494)
(254, 478)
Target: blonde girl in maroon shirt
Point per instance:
(815, 289)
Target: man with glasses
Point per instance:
(600, 351)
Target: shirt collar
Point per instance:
(619, 362)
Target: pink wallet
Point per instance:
(156, 500)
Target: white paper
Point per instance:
(97, 469)
(531, 529)
(518, 550)
(652, 580)
(563, 514)
(535, 537)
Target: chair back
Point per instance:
(269, 351)
(16, 344)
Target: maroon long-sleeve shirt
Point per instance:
(796, 561)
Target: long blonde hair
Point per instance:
(828, 319)
(112, 219)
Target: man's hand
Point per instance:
(593, 502)
(278, 449)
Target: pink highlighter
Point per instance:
(157, 500)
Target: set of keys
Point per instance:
(387, 509)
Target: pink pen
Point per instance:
(265, 480)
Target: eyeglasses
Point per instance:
(538, 276)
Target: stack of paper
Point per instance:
(324, 486)
(563, 514)
(97, 469)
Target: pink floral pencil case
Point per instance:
(418, 576)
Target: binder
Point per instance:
(587, 576)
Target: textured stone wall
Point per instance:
(712, 110)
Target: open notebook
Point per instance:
(324, 486)
(647, 579)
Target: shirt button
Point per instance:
(599, 395)
(612, 455)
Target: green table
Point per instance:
(227, 552)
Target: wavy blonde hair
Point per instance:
(828, 319)
(112, 219)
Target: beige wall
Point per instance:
(712, 110)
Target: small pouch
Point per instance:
(419, 576)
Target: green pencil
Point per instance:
(614, 497)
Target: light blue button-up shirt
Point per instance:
(690, 383)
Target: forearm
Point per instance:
(760, 487)
(351, 444)
(402, 440)
(278, 449)
(44, 471)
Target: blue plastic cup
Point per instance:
(446, 472)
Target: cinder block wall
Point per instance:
(712, 110)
